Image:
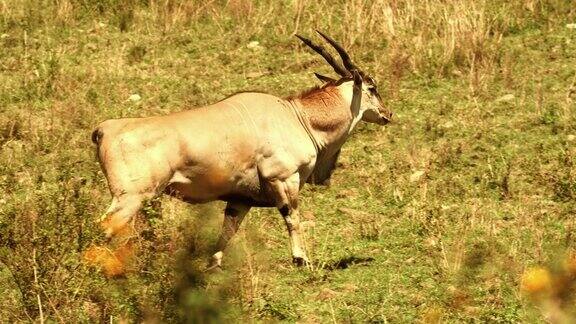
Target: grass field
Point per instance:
(461, 210)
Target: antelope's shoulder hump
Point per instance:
(253, 99)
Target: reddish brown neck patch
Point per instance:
(325, 108)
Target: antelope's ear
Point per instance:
(357, 79)
(324, 78)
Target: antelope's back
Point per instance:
(254, 119)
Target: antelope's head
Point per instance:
(366, 102)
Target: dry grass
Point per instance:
(434, 218)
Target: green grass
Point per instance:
(438, 214)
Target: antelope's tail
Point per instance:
(97, 135)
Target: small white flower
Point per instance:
(448, 124)
(416, 176)
(506, 97)
(254, 45)
(135, 97)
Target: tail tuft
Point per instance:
(97, 136)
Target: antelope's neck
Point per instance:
(327, 112)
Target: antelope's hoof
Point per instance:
(213, 269)
(300, 261)
(215, 262)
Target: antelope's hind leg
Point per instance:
(233, 216)
(118, 225)
(122, 212)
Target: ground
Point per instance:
(460, 210)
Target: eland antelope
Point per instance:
(250, 150)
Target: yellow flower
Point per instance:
(570, 265)
(536, 281)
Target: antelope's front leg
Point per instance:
(233, 216)
(287, 203)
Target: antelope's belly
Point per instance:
(214, 184)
